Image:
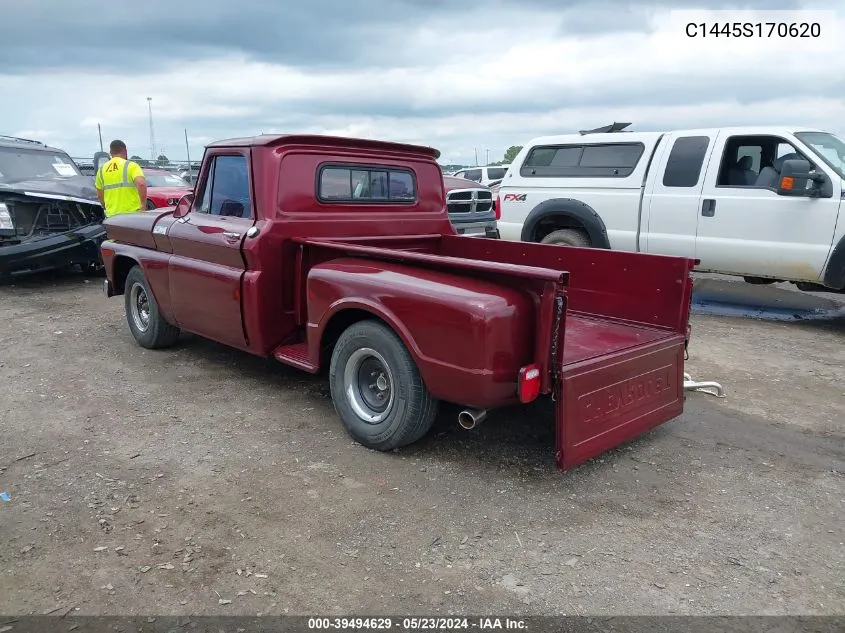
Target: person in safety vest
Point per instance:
(121, 186)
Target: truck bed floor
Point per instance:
(589, 336)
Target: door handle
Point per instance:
(708, 208)
(231, 236)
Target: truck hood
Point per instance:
(76, 188)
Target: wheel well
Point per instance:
(122, 266)
(555, 222)
(337, 325)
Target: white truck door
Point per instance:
(747, 229)
(673, 194)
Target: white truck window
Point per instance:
(683, 168)
(753, 161)
(608, 160)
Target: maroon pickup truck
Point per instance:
(338, 254)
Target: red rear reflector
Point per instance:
(528, 383)
(498, 207)
(108, 251)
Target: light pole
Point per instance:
(152, 134)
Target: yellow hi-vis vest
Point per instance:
(116, 179)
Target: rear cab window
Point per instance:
(358, 183)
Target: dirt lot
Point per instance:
(202, 480)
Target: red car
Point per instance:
(164, 188)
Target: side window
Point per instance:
(376, 184)
(608, 160)
(620, 156)
(496, 173)
(754, 161)
(683, 168)
(226, 191)
(473, 174)
(553, 157)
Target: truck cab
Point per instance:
(337, 256)
(763, 203)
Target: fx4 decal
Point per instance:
(515, 197)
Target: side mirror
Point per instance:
(794, 175)
(183, 206)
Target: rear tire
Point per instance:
(568, 237)
(145, 321)
(377, 390)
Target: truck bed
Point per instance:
(624, 327)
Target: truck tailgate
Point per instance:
(617, 381)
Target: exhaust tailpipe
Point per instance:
(470, 418)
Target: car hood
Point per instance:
(452, 182)
(170, 192)
(77, 188)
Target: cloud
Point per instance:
(459, 76)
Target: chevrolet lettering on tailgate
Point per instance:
(628, 394)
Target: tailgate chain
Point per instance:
(555, 336)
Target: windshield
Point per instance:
(17, 164)
(156, 179)
(830, 149)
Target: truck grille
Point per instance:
(469, 201)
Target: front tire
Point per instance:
(145, 321)
(568, 237)
(377, 389)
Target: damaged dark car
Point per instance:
(50, 216)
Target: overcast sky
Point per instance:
(458, 75)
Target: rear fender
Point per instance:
(119, 259)
(343, 313)
(467, 336)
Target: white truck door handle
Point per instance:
(231, 236)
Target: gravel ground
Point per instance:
(201, 480)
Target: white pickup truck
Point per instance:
(763, 203)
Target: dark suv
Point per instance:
(50, 216)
